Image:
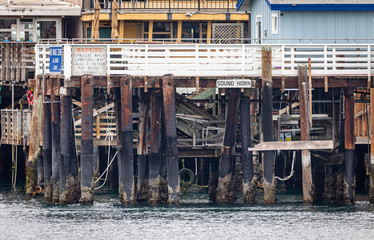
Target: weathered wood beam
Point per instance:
(87, 141)
(171, 147)
(349, 154)
(371, 173)
(47, 151)
(70, 185)
(249, 181)
(305, 135)
(294, 145)
(127, 187)
(267, 125)
(154, 156)
(210, 82)
(142, 183)
(56, 154)
(225, 188)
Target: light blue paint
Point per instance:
(328, 26)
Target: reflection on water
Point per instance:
(195, 218)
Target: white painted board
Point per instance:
(89, 59)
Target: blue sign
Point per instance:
(55, 59)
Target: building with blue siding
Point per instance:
(306, 21)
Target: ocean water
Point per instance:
(195, 218)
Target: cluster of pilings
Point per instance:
(153, 176)
(157, 178)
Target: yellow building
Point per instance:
(170, 20)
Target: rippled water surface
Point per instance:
(195, 218)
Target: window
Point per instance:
(274, 23)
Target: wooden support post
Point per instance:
(209, 31)
(87, 141)
(225, 188)
(371, 173)
(267, 125)
(349, 154)
(326, 83)
(283, 84)
(142, 183)
(249, 181)
(69, 184)
(34, 148)
(117, 109)
(179, 32)
(126, 163)
(213, 178)
(40, 170)
(171, 151)
(150, 31)
(154, 157)
(197, 83)
(47, 151)
(305, 134)
(310, 91)
(330, 183)
(56, 154)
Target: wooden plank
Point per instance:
(294, 145)
(95, 112)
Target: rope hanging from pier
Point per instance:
(292, 169)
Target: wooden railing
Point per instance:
(218, 60)
(17, 61)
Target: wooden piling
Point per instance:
(371, 173)
(55, 128)
(87, 141)
(117, 109)
(47, 151)
(171, 151)
(142, 183)
(267, 125)
(126, 163)
(305, 134)
(225, 188)
(330, 183)
(249, 181)
(34, 148)
(69, 182)
(154, 157)
(213, 178)
(349, 154)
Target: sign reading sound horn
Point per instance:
(235, 83)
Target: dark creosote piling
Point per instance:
(305, 134)
(154, 156)
(171, 151)
(47, 151)
(213, 178)
(349, 154)
(56, 154)
(142, 183)
(225, 188)
(117, 109)
(87, 141)
(371, 173)
(267, 126)
(249, 181)
(69, 182)
(126, 163)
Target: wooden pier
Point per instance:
(136, 103)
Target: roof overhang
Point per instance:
(315, 5)
(41, 10)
